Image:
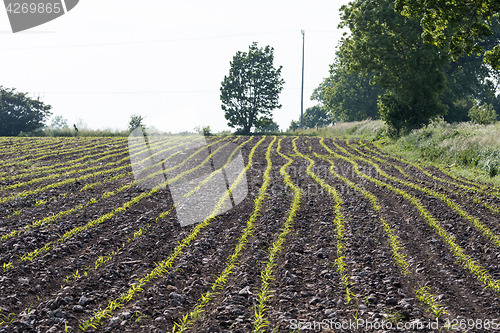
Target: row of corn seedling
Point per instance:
(163, 267)
(57, 216)
(76, 230)
(339, 222)
(25, 146)
(61, 166)
(40, 179)
(64, 167)
(54, 217)
(49, 153)
(478, 225)
(423, 295)
(475, 197)
(190, 318)
(144, 229)
(101, 260)
(89, 159)
(67, 181)
(394, 242)
(89, 186)
(109, 155)
(467, 261)
(266, 275)
(483, 188)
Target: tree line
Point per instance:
(393, 65)
(403, 61)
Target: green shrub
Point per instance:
(484, 114)
(206, 131)
(203, 130)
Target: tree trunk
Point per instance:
(250, 123)
(246, 130)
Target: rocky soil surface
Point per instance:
(52, 293)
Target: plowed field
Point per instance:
(331, 236)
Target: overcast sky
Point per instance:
(106, 60)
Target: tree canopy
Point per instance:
(268, 126)
(315, 116)
(468, 81)
(390, 48)
(251, 90)
(294, 125)
(136, 121)
(19, 113)
(457, 26)
(58, 123)
(349, 96)
(385, 68)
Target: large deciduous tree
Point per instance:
(316, 116)
(457, 26)
(386, 69)
(390, 48)
(19, 113)
(348, 95)
(251, 90)
(468, 81)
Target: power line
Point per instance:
(328, 31)
(131, 92)
(145, 92)
(165, 40)
(146, 42)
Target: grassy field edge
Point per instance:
(465, 149)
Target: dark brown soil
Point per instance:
(306, 289)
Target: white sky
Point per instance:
(106, 60)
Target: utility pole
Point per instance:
(302, 89)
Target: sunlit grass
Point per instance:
(465, 149)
